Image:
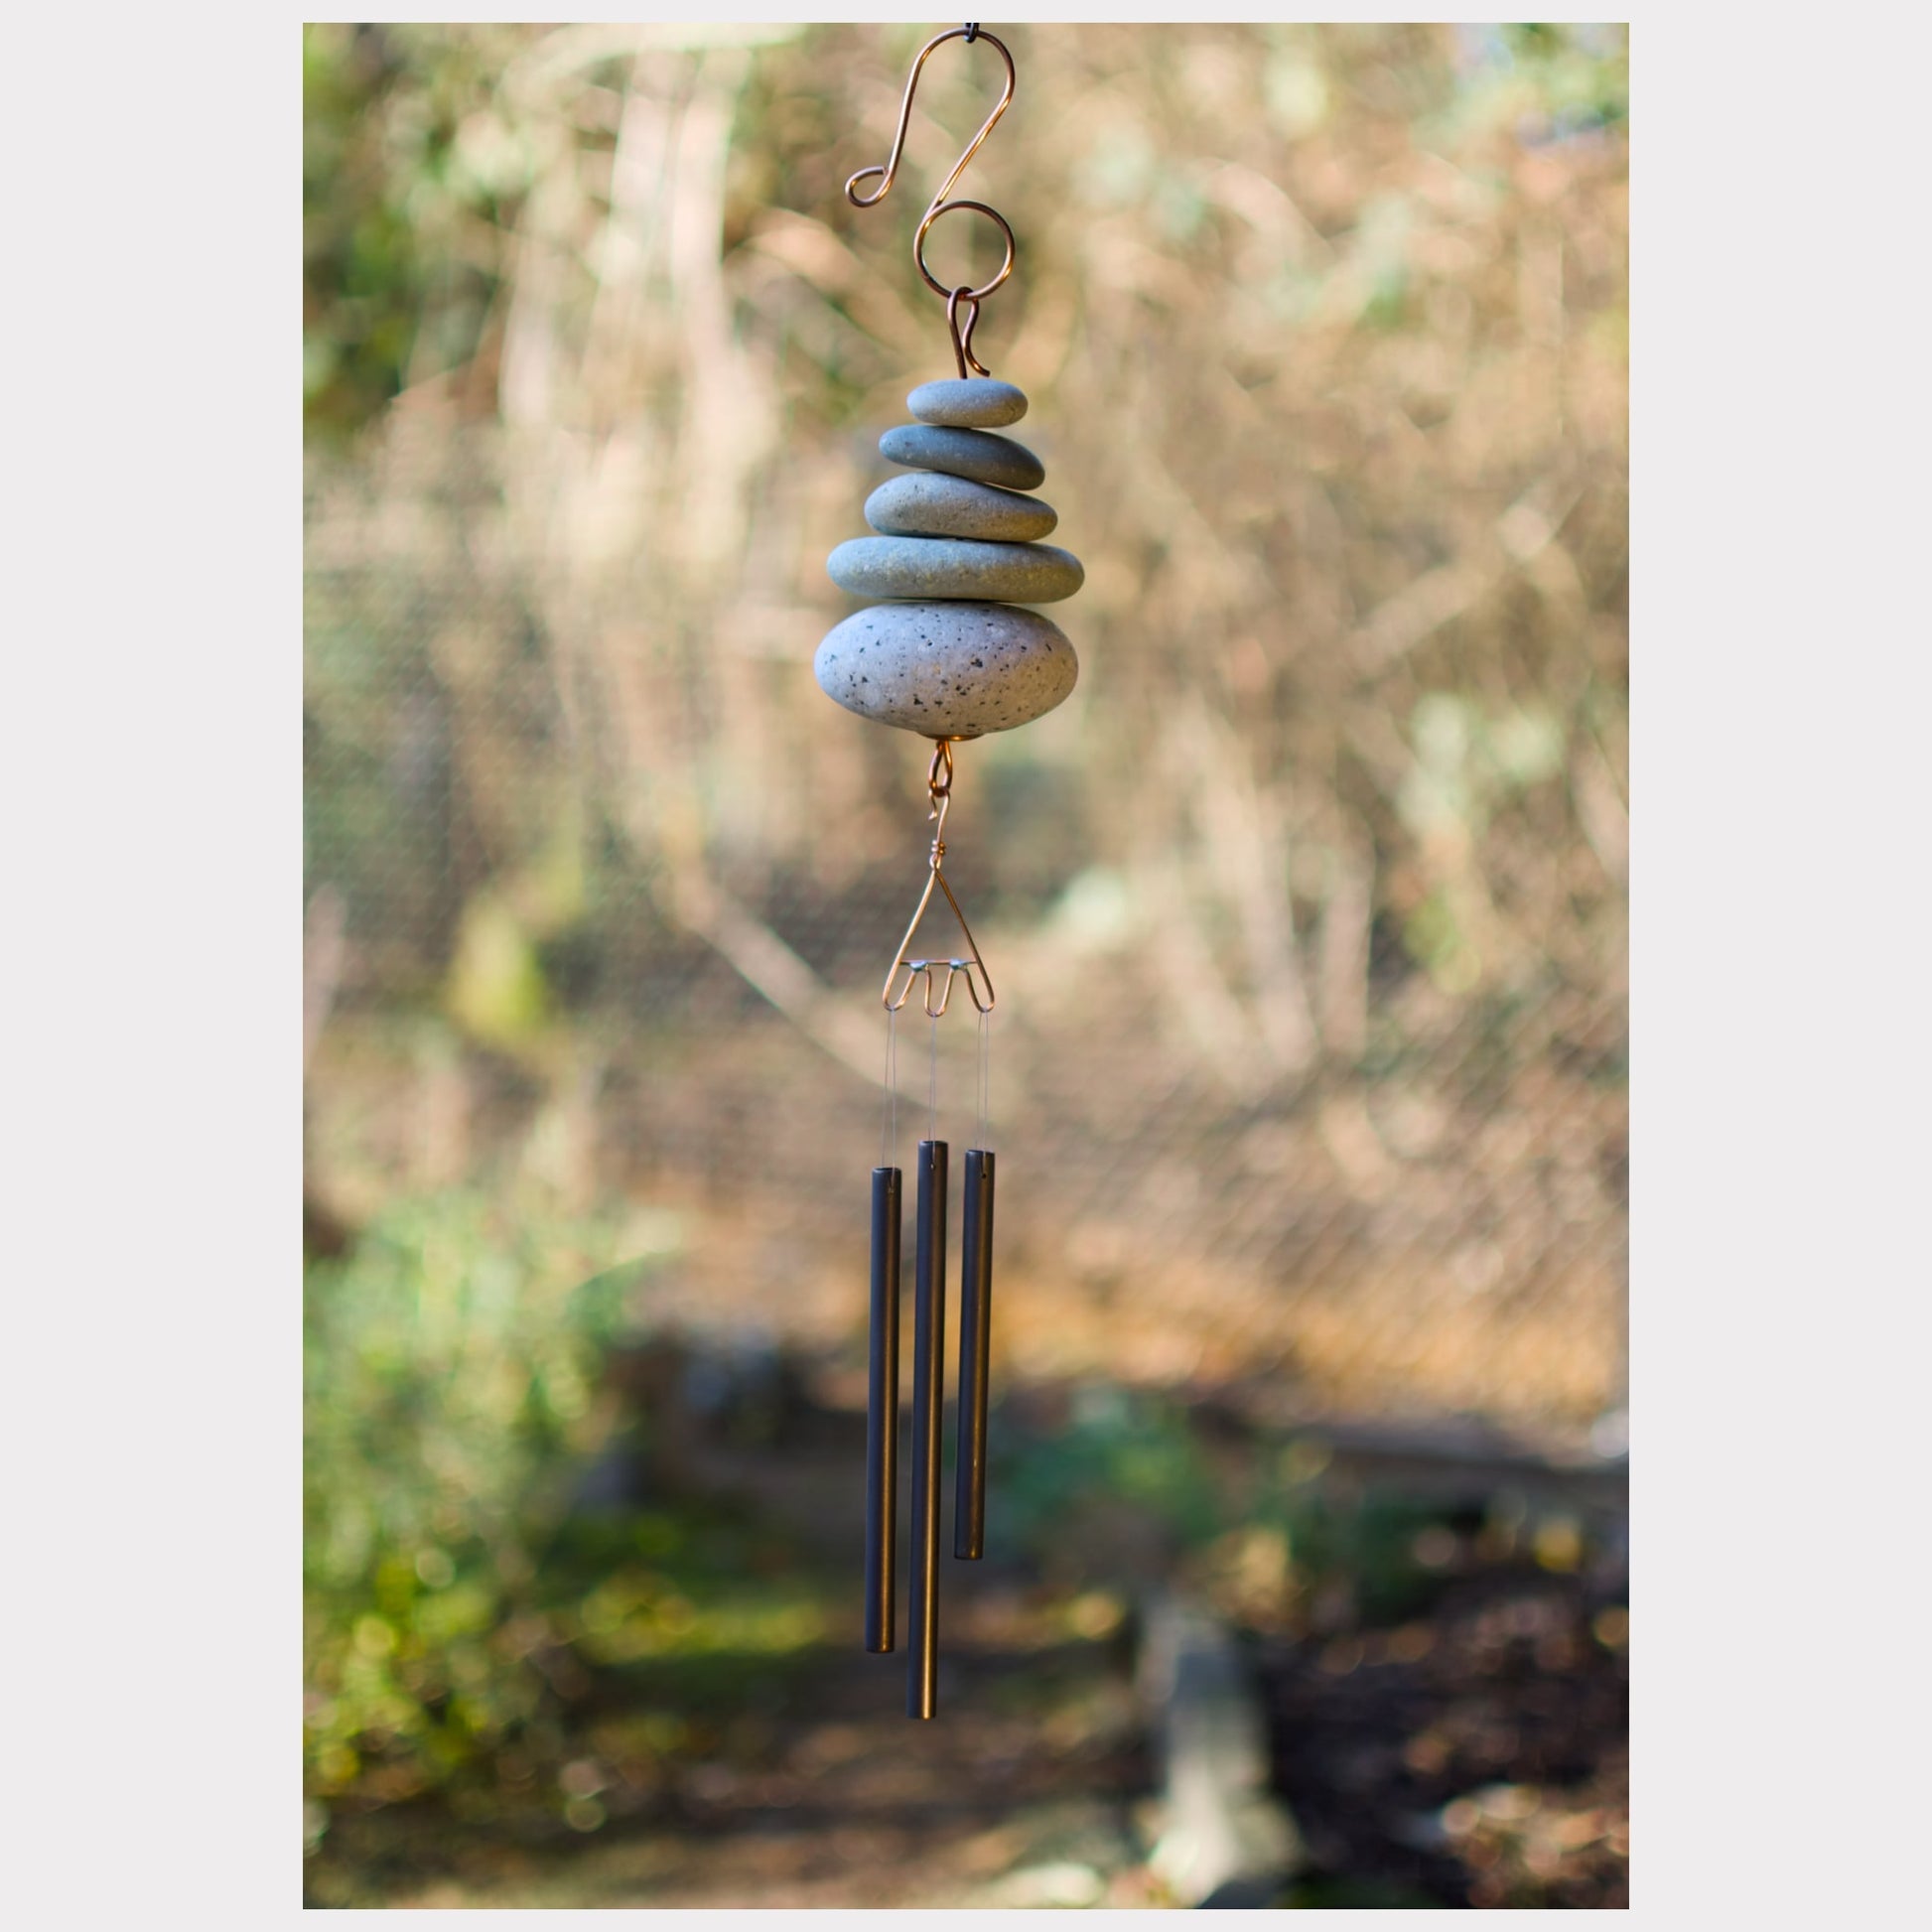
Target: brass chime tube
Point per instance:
(928, 1400)
(882, 1412)
(975, 1329)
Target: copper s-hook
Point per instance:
(979, 981)
(963, 297)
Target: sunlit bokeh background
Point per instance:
(1306, 913)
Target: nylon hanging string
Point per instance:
(932, 1083)
(985, 1139)
(889, 1109)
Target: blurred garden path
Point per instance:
(1020, 1793)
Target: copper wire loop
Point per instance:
(979, 981)
(939, 205)
(947, 208)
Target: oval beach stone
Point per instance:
(976, 403)
(1003, 573)
(976, 454)
(947, 671)
(924, 503)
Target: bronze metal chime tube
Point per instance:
(928, 1400)
(882, 1412)
(975, 1330)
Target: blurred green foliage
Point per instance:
(407, 176)
(1122, 1450)
(451, 1387)
(416, 157)
(1131, 1454)
(1572, 75)
(1367, 1541)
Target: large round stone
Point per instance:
(977, 402)
(923, 503)
(1003, 572)
(947, 671)
(973, 453)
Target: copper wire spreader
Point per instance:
(964, 296)
(979, 981)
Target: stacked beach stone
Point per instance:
(952, 655)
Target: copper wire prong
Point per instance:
(945, 991)
(973, 984)
(906, 991)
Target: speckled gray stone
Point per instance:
(923, 503)
(977, 402)
(1003, 572)
(973, 453)
(947, 671)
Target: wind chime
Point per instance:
(953, 654)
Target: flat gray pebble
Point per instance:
(977, 402)
(976, 454)
(947, 669)
(923, 503)
(1003, 572)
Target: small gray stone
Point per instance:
(947, 671)
(974, 453)
(923, 503)
(993, 573)
(978, 402)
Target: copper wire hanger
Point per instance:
(964, 296)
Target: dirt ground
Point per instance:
(1459, 1743)
(1474, 1758)
(818, 1791)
